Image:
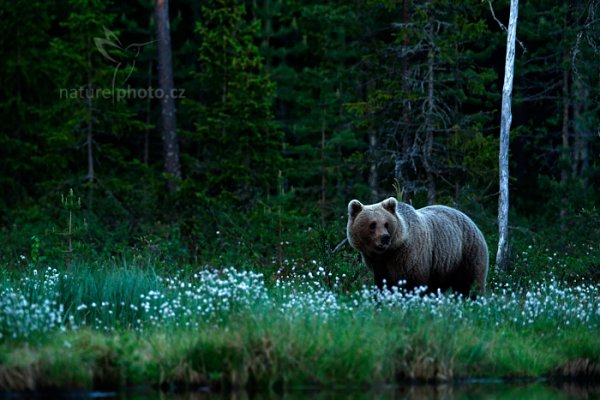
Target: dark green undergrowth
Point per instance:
(273, 235)
(277, 237)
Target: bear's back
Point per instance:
(452, 234)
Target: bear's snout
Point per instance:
(385, 239)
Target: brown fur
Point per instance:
(436, 246)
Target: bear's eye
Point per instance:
(372, 226)
(386, 225)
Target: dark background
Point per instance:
(291, 109)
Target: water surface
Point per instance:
(464, 391)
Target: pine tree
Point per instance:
(311, 56)
(26, 139)
(83, 76)
(239, 146)
(557, 91)
(428, 94)
(93, 117)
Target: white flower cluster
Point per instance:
(215, 296)
(543, 302)
(208, 296)
(309, 297)
(547, 301)
(32, 306)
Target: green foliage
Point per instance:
(291, 109)
(537, 253)
(238, 141)
(36, 257)
(311, 53)
(229, 329)
(445, 41)
(25, 139)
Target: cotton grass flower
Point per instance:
(213, 296)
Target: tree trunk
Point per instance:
(406, 142)
(580, 145)
(90, 141)
(428, 146)
(579, 93)
(268, 22)
(369, 88)
(323, 172)
(373, 176)
(502, 257)
(565, 150)
(146, 155)
(564, 156)
(90, 137)
(167, 104)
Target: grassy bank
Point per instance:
(113, 327)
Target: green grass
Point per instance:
(115, 326)
(267, 352)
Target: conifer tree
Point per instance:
(26, 92)
(239, 146)
(428, 96)
(85, 77)
(312, 57)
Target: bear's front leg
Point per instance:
(382, 278)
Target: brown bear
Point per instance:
(436, 246)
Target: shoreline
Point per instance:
(184, 361)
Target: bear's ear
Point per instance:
(390, 205)
(354, 207)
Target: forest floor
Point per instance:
(120, 326)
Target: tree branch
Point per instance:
(504, 27)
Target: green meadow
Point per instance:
(119, 325)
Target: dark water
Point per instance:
(470, 391)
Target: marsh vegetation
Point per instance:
(114, 326)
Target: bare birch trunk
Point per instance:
(90, 152)
(502, 257)
(167, 103)
(90, 142)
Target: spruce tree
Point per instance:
(238, 144)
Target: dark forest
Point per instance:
(282, 112)
(177, 180)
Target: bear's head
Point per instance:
(374, 228)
